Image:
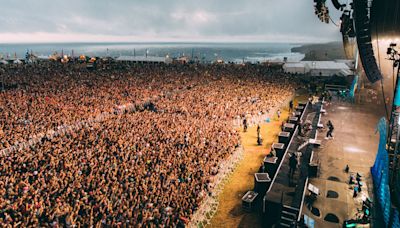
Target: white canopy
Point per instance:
(17, 61)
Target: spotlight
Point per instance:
(321, 10)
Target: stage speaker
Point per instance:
(284, 137)
(363, 30)
(270, 165)
(249, 201)
(262, 182)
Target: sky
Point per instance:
(27, 21)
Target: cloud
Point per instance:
(195, 17)
(175, 20)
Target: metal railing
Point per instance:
(64, 129)
(256, 119)
(210, 203)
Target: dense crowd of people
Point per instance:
(150, 167)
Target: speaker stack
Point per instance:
(363, 30)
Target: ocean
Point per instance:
(229, 52)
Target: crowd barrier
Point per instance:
(210, 203)
(257, 119)
(64, 129)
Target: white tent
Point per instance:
(328, 68)
(294, 68)
(17, 61)
(43, 57)
(3, 62)
(318, 68)
(144, 59)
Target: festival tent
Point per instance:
(144, 59)
(43, 57)
(17, 61)
(318, 68)
(294, 68)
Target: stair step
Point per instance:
(288, 214)
(287, 220)
(290, 209)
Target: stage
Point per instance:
(355, 144)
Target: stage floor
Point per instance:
(355, 144)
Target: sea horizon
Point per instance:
(171, 42)
(208, 51)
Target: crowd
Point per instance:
(144, 168)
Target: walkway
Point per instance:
(230, 213)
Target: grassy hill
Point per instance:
(321, 52)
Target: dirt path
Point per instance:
(230, 213)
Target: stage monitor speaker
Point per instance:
(363, 30)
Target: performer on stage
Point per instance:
(330, 130)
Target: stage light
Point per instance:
(321, 11)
